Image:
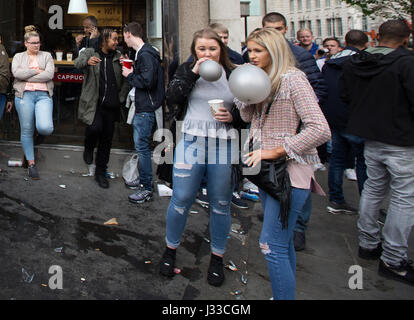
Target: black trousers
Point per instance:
(100, 133)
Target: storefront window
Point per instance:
(58, 31)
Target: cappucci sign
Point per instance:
(69, 77)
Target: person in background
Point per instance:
(378, 85)
(104, 90)
(33, 72)
(146, 77)
(4, 80)
(90, 38)
(274, 122)
(332, 47)
(337, 113)
(305, 38)
(306, 63)
(201, 130)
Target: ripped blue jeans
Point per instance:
(193, 159)
(277, 243)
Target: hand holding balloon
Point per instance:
(249, 84)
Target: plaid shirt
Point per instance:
(294, 101)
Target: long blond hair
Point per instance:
(280, 53)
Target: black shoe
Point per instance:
(33, 172)
(370, 254)
(215, 274)
(167, 263)
(404, 272)
(88, 156)
(337, 208)
(238, 202)
(260, 216)
(299, 240)
(102, 181)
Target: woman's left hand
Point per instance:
(254, 157)
(223, 115)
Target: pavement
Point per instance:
(43, 225)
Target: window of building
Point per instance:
(329, 27)
(300, 5)
(364, 23)
(302, 24)
(339, 27)
(309, 25)
(319, 27)
(317, 4)
(338, 3)
(328, 3)
(309, 4)
(292, 5)
(292, 30)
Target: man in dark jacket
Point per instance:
(378, 85)
(103, 91)
(147, 79)
(336, 113)
(306, 62)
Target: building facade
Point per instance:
(326, 18)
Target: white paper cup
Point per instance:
(59, 56)
(215, 104)
(69, 56)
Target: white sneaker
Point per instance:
(319, 166)
(350, 174)
(250, 187)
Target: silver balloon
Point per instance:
(249, 84)
(210, 70)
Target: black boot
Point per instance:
(215, 274)
(167, 263)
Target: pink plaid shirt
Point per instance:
(295, 101)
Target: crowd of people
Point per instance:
(349, 107)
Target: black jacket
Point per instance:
(380, 92)
(108, 89)
(335, 110)
(148, 80)
(180, 88)
(306, 62)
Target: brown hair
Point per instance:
(135, 29)
(273, 17)
(209, 33)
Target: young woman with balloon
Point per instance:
(289, 124)
(206, 140)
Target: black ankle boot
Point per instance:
(167, 263)
(215, 274)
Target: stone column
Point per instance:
(193, 16)
(228, 13)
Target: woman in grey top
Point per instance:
(33, 72)
(205, 148)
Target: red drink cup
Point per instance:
(127, 63)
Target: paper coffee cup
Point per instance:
(215, 104)
(59, 56)
(127, 63)
(69, 56)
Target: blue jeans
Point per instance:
(187, 176)
(34, 104)
(143, 123)
(277, 243)
(342, 145)
(304, 216)
(2, 104)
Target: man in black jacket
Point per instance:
(336, 112)
(306, 62)
(147, 79)
(378, 85)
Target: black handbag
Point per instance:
(273, 178)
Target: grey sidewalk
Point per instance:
(38, 217)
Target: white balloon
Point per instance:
(249, 84)
(210, 70)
